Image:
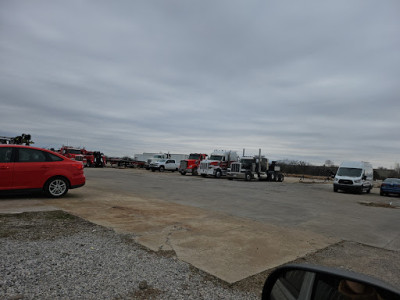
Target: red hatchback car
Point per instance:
(33, 169)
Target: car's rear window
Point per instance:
(31, 155)
(5, 154)
(392, 180)
(54, 157)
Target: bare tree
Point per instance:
(329, 163)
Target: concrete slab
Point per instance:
(230, 248)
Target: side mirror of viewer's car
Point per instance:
(310, 282)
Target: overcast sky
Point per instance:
(304, 80)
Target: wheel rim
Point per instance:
(57, 187)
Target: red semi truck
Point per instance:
(191, 165)
(73, 153)
(88, 158)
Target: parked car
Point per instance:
(24, 168)
(390, 186)
(165, 164)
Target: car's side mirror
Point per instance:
(316, 282)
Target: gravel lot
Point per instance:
(53, 255)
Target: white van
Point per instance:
(355, 176)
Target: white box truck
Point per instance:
(354, 176)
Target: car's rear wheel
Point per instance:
(56, 187)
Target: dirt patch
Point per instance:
(41, 225)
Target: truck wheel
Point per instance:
(335, 189)
(153, 170)
(281, 178)
(273, 178)
(204, 175)
(230, 178)
(162, 169)
(56, 187)
(247, 176)
(218, 174)
(183, 173)
(194, 172)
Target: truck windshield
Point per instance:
(246, 163)
(349, 172)
(194, 156)
(215, 157)
(73, 151)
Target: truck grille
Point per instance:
(204, 166)
(344, 181)
(184, 164)
(235, 167)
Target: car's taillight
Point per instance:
(78, 166)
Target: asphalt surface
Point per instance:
(312, 207)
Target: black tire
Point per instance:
(153, 170)
(382, 193)
(335, 189)
(247, 176)
(369, 190)
(56, 187)
(360, 190)
(194, 172)
(183, 173)
(230, 178)
(218, 174)
(162, 169)
(204, 175)
(281, 178)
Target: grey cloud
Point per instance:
(313, 79)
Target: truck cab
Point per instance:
(191, 165)
(73, 153)
(153, 160)
(217, 164)
(354, 176)
(165, 165)
(254, 167)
